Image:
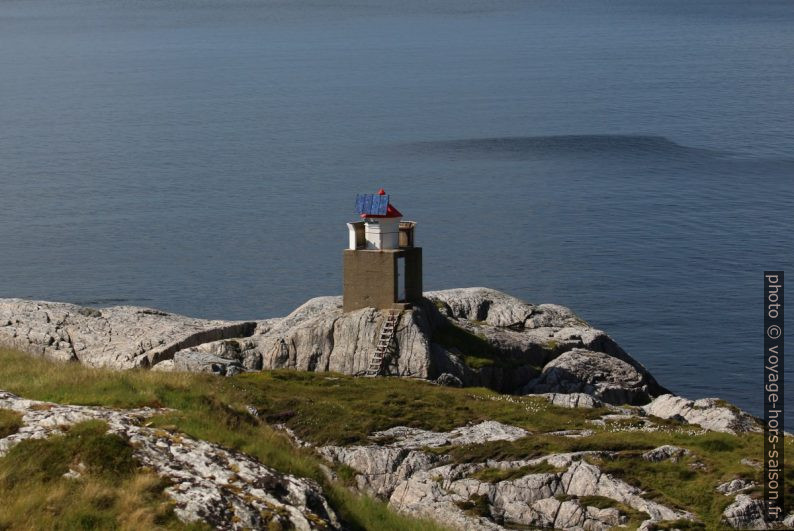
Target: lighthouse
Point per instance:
(382, 267)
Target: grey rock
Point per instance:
(379, 469)
(487, 431)
(316, 336)
(667, 452)
(397, 456)
(423, 484)
(737, 485)
(195, 361)
(568, 514)
(449, 380)
(120, 337)
(605, 377)
(225, 489)
(164, 366)
(745, 513)
(584, 479)
(483, 304)
(530, 500)
(573, 400)
(710, 413)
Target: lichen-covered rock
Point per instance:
(507, 338)
(573, 400)
(397, 466)
(396, 454)
(487, 431)
(585, 479)
(225, 489)
(120, 337)
(532, 500)
(745, 513)
(605, 377)
(195, 361)
(318, 336)
(483, 304)
(668, 452)
(710, 413)
(567, 514)
(730, 488)
(379, 468)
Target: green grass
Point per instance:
(474, 349)
(205, 407)
(10, 422)
(672, 484)
(495, 475)
(111, 493)
(325, 408)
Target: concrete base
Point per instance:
(371, 278)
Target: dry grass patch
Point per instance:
(204, 407)
(111, 492)
(10, 422)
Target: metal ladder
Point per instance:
(385, 343)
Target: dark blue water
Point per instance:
(632, 160)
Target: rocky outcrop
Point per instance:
(397, 455)
(534, 499)
(196, 361)
(397, 467)
(668, 452)
(227, 490)
(606, 378)
(737, 485)
(463, 337)
(573, 400)
(487, 431)
(710, 413)
(492, 307)
(459, 337)
(318, 336)
(120, 337)
(745, 513)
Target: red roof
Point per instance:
(391, 212)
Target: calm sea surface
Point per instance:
(633, 160)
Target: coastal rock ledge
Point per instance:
(483, 475)
(461, 337)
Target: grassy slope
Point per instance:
(330, 408)
(113, 491)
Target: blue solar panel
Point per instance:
(379, 204)
(372, 204)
